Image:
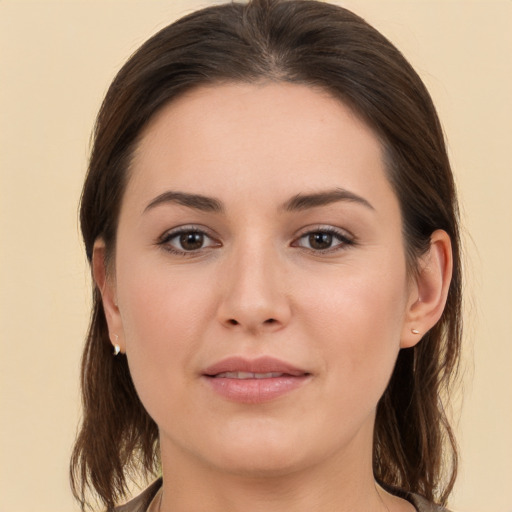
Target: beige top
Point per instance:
(142, 501)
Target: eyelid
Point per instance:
(165, 239)
(345, 238)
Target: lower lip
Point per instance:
(255, 391)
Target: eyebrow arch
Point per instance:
(323, 198)
(196, 201)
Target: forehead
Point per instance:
(257, 138)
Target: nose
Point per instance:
(253, 292)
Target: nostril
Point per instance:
(268, 321)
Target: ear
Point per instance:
(106, 286)
(429, 289)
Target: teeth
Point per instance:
(266, 375)
(247, 375)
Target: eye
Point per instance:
(187, 240)
(323, 240)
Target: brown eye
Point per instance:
(191, 241)
(324, 240)
(320, 241)
(183, 241)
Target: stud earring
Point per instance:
(415, 331)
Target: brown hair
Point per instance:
(307, 42)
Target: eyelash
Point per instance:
(344, 240)
(165, 240)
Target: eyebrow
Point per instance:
(196, 201)
(296, 203)
(323, 198)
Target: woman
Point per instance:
(272, 227)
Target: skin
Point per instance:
(258, 287)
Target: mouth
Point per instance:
(247, 375)
(261, 368)
(254, 381)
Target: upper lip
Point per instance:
(263, 364)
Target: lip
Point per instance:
(263, 364)
(254, 390)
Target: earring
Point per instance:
(117, 348)
(415, 331)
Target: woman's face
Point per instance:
(260, 282)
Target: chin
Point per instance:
(261, 453)
(256, 454)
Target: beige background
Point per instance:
(56, 61)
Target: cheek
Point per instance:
(163, 315)
(359, 323)
(161, 305)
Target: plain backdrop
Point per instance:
(56, 61)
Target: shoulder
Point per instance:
(423, 505)
(420, 503)
(141, 502)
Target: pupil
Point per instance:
(191, 241)
(320, 240)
